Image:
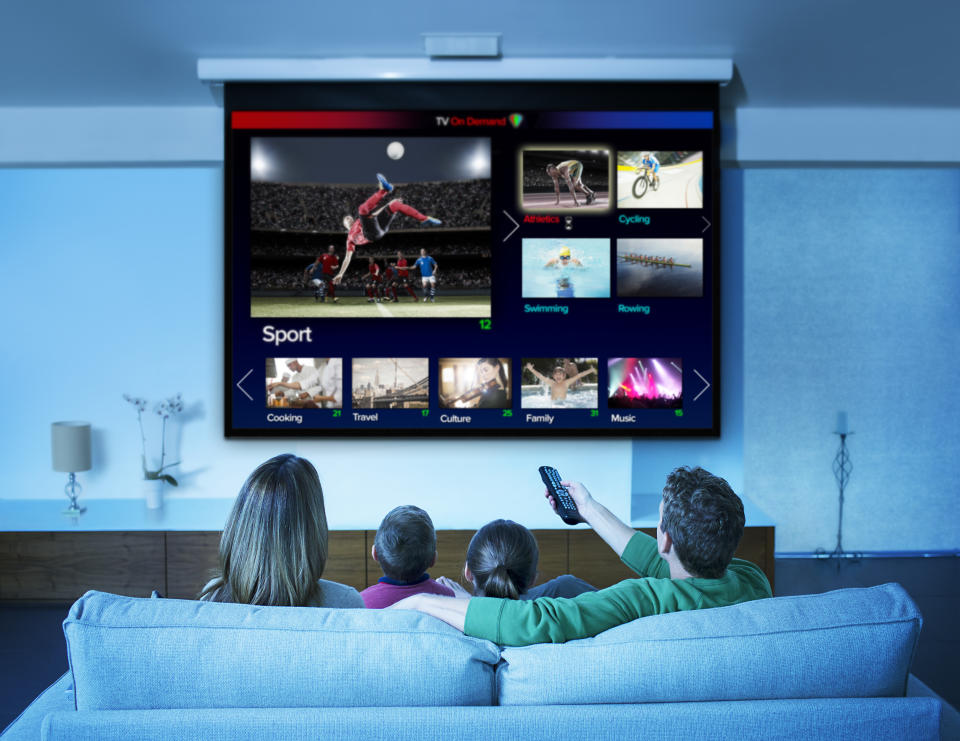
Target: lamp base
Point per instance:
(72, 490)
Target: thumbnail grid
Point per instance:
(570, 383)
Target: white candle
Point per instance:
(841, 423)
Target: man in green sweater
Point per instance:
(688, 566)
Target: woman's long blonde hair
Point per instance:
(274, 545)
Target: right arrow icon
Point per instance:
(515, 226)
(704, 229)
(704, 388)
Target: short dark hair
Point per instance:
(406, 543)
(503, 556)
(704, 519)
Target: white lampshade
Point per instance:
(70, 443)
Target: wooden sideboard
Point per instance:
(61, 566)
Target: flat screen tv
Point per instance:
(431, 258)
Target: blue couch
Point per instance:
(834, 665)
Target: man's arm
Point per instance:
(450, 610)
(285, 384)
(607, 525)
(556, 188)
(343, 268)
(574, 379)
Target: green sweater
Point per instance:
(555, 620)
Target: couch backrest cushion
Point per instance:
(128, 653)
(846, 643)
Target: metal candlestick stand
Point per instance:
(842, 468)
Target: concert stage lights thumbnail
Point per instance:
(645, 383)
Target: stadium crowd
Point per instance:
(270, 279)
(264, 245)
(321, 208)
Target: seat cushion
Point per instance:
(846, 643)
(129, 653)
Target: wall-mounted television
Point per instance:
(444, 259)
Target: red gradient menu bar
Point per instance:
(322, 120)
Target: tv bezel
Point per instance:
(424, 95)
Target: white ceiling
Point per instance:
(819, 53)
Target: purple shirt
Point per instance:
(387, 591)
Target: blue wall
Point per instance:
(111, 283)
(840, 293)
(852, 303)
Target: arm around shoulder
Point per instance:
(450, 610)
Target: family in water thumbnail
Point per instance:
(557, 383)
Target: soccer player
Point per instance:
(375, 222)
(330, 265)
(403, 274)
(313, 274)
(374, 281)
(428, 275)
(390, 284)
(320, 273)
(571, 171)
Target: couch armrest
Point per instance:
(949, 717)
(57, 697)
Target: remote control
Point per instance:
(566, 507)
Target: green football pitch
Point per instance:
(357, 306)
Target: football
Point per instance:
(395, 150)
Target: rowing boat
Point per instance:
(633, 258)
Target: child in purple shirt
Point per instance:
(405, 546)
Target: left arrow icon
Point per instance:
(241, 381)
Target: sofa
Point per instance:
(833, 665)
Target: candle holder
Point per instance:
(842, 468)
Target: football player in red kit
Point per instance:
(373, 223)
(403, 275)
(390, 284)
(374, 281)
(330, 263)
(320, 273)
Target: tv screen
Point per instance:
(433, 258)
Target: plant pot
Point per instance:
(153, 492)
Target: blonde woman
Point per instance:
(274, 546)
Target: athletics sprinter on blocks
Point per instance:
(373, 223)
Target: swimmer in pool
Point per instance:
(563, 260)
(560, 383)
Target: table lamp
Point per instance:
(70, 443)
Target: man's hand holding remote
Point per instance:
(608, 526)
